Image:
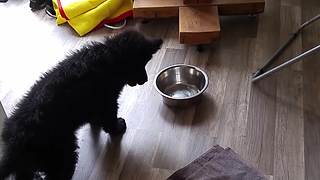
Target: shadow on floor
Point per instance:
(195, 114)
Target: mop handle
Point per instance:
(284, 46)
(287, 63)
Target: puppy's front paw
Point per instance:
(118, 128)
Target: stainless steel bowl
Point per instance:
(181, 84)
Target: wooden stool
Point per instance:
(198, 19)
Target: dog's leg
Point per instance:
(24, 175)
(64, 169)
(116, 127)
(63, 164)
(112, 124)
(108, 120)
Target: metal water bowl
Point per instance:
(181, 84)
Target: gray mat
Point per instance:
(218, 164)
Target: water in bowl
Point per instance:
(181, 90)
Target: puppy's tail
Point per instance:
(5, 168)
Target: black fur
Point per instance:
(40, 134)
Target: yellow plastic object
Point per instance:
(85, 15)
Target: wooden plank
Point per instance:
(169, 8)
(198, 25)
(156, 8)
(240, 9)
(262, 104)
(178, 3)
(311, 92)
(159, 12)
(196, 1)
(288, 141)
(139, 159)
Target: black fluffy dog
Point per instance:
(84, 88)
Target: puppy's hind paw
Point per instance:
(118, 128)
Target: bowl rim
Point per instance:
(179, 65)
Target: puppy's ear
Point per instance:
(156, 45)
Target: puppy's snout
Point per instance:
(141, 83)
(145, 79)
(158, 42)
(156, 45)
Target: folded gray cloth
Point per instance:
(218, 164)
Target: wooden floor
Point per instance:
(274, 124)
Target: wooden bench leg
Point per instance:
(198, 25)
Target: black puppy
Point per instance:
(84, 88)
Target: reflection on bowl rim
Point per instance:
(180, 65)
